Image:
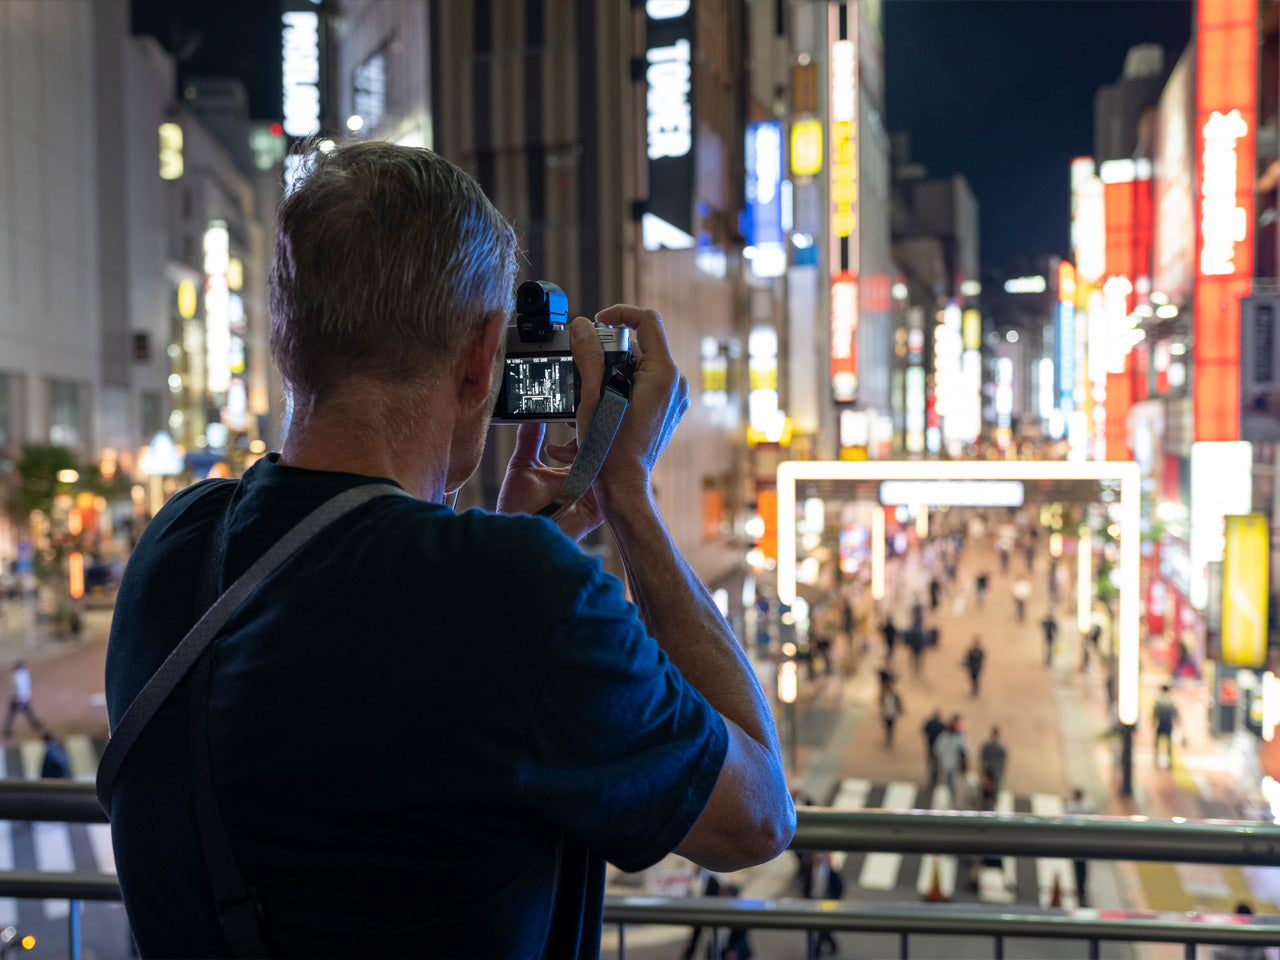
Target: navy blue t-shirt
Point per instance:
(405, 720)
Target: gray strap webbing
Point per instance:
(593, 449)
(184, 655)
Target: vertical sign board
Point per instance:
(1226, 96)
(1244, 591)
(763, 219)
(1065, 342)
(669, 33)
(1259, 368)
(843, 174)
(1221, 485)
(300, 72)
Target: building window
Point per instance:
(152, 414)
(369, 90)
(64, 414)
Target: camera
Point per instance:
(539, 379)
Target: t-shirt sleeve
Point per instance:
(621, 751)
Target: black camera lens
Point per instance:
(530, 296)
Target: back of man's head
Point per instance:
(387, 258)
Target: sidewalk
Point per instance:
(66, 672)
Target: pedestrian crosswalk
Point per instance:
(51, 847)
(1027, 880)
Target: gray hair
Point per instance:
(386, 258)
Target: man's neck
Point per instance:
(375, 437)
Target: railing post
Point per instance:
(73, 930)
(622, 941)
(903, 952)
(1189, 950)
(1095, 950)
(999, 948)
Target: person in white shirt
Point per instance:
(20, 701)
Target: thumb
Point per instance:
(588, 358)
(528, 442)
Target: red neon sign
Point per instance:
(1226, 99)
(844, 338)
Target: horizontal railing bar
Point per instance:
(974, 833)
(41, 885)
(978, 920)
(60, 801)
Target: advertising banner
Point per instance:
(669, 33)
(1244, 591)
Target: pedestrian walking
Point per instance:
(917, 640)
(20, 701)
(1240, 951)
(1050, 627)
(890, 710)
(1078, 806)
(1053, 580)
(1002, 546)
(1030, 552)
(737, 943)
(952, 756)
(931, 729)
(973, 661)
(992, 757)
(831, 884)
(704, 884)
(1165, 715)
(980, 587)
(935, 592)
(56, 765)
(1021, 591)
(890, 634)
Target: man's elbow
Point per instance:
(758, 838)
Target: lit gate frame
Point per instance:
(793, 472)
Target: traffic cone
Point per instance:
(935, 894)
(1055, 899)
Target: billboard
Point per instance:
(1244, 591)
(1221, 485)
(1226, 96)
(1173, 254)
(669, 141)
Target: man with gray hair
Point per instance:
(516, 721)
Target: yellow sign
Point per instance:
(806, 148)
(972, 330)
(844, 178)
(170, 151)
(1244, 591)
(186, 299)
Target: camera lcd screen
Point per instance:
(535, 386)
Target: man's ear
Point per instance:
(478, 360)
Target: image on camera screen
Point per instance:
(539, 386)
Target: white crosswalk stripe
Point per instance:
(1053, 870)
(880, 870)
(84, 763)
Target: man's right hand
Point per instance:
(659, 398)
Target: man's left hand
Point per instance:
(530, 483)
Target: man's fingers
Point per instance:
(563, 452)
(650, 336)
(588, 358)
(528, 442)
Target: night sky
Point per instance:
(1002, 92)
(998, 90)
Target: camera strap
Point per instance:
(594, 446)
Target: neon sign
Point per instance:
(844, 338)
(1226, 99)
(301, 66)
(1223, 224)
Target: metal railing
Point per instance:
(956, 833)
